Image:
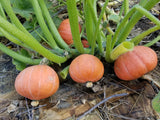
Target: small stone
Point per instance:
(97, 88)
(84, 101)
(89, 84)
(35, 103)
(11, 108)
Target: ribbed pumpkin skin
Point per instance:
(65, 31)
(86, 68)
(37, 82)
(134, 64)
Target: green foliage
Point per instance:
(156, 103)
(23, 8)
(115, 18)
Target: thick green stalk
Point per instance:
(97, 31)
(94, 4)
(110, 31)
(126, 6)
(2, 13)
(108, 48)
(134, 19)
(88, 22)
(73, 19)
(18, 57)
(122, 37)
(153, 41)
(94, 36)
(143, 2)
(12, 38)
(121, 49)
(30, 41)
(121, 25)
(144, 12)
(42, 24)
(52, 26)
(136, 40)
(7, 6)
(121, 10)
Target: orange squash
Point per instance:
(85, 43)
(134, 64)
(85, 68)
(65, 31)
(37, 82)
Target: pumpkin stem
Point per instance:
(64, 72)
(121, 49)
(44, 61)
(108, 48)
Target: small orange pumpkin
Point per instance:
(65, 31)
(37, 82)
(85, 68)
(85, 43)
(134, 64)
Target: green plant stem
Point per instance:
(147, 14)
(121, 49)
(134, 19)
(126, 6)
(91, 9)
(153, 41)
(143, 2)
(121, 25)
(97, 31)
(122, 37)
(30, 41)
(109, 30)
(17, 56)
(88, 22)
(7, 6)
(12, 38)
(52, 26)
(121, 10)
(96, 35)
(2, 13)
(73, 19)
(108, 48)
(64, 72)
(136, 40)
(42, 24)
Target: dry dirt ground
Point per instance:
(73, 100)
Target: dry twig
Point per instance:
(103, 101)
